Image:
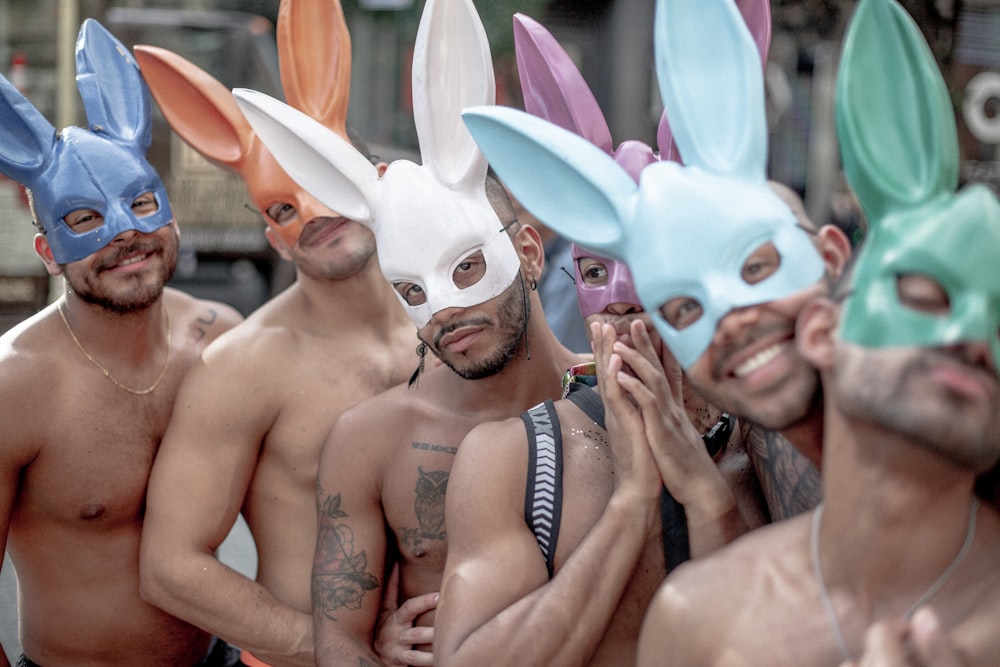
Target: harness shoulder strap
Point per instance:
(543, 491)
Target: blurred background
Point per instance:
(225, 255)
(224, 252)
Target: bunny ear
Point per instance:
(757, 16)
(314, 50)
(197, 106)
(318, 159)
(895, 122)
(585, 196)
(710, 77)
(27, 139)
(115, 97)
(452, 70)
(553, 87)
(665, 141)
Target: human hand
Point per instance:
(677, 446)
(633, 459)
(919, 642)
(396, 635)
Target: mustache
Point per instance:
(974, 356)
(316, 226)
(729, 350)
(472, 322)
(124, 252)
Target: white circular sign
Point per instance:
(982, 88)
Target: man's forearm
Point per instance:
(223, 602)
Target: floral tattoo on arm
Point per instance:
(340, 577)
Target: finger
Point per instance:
(417, 658)
(930, 643)
(417, 635)
(884, 645)
(415, 606)
(642, 355)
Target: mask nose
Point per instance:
(310, 208)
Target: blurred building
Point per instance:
(611, 40)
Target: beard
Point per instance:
(513, 313)
(141, 293)
(892, 397)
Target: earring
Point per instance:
(421, 352)
(532, 283)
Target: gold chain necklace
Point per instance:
(107, 373)
(970, 535)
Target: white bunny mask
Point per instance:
(426, 218)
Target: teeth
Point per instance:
(758, 360)
(132, 260)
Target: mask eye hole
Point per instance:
(145, 205)
(922, 293)
(593, 271)
(413, 294)
(681, 312)
(83, 220)
(470, 270)
(761, 265)
(282, 213)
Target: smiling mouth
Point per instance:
(134, 259)
(758, 360)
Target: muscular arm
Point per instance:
(350, 559)
(791, 484)
(197, 486)
(495, 596)
(14, 456)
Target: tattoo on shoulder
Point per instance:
(428, 505)
(428, 447)
(205, 321)
(340, 579)
(791, 483)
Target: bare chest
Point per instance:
(94, 459)
(414, 490)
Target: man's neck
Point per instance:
(361, 300)
(522, 383)
(895, 513)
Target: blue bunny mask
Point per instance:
(102, 167)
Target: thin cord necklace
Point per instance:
(107, 373)
(970, 535)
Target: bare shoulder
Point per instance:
(30, 365)
(491, 452)
(199, 321)
(735, 573)
(735, 586)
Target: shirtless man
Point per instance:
(611, 552)
(252, 416)
(898, 566)
(89, 382)
(466, 271)
(589, 532)
(779, 390)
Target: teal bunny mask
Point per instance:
(900, 152)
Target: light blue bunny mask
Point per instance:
(682, 230)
